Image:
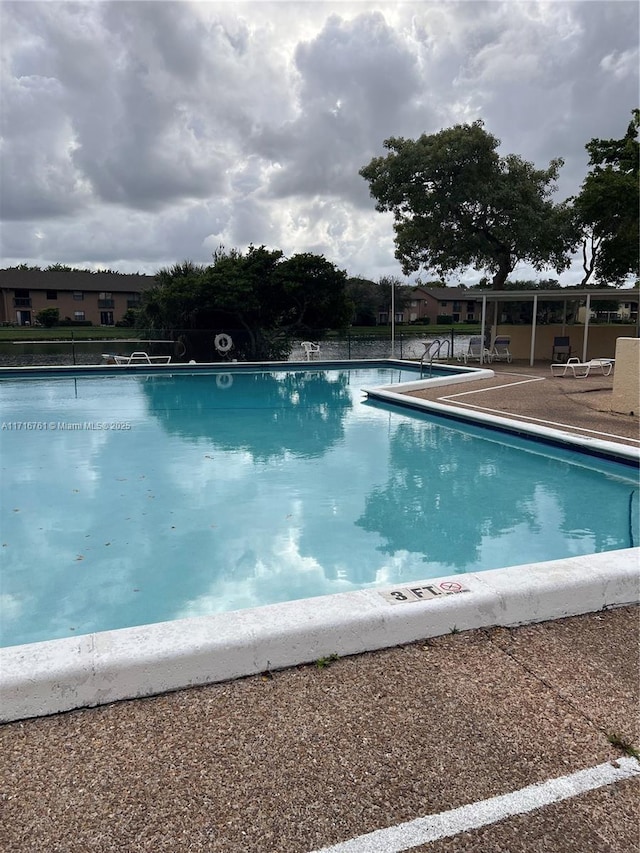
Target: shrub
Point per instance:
(48, 317)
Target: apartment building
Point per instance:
(98, 298)
(454, 302)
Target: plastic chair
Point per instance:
(500, 349)
(476, 351)
(561, 348)
(310, 349)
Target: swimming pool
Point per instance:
(137, 497)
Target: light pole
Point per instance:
(393, 319)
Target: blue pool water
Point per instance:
(129, 498)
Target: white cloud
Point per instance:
(138, 134)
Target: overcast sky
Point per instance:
(135, 135)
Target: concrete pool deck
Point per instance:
(307, 757)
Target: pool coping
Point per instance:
(397, 395)
(96, 669)
(50, 677)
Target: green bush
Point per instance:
(129, 319)
(48, 317)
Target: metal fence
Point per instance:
(406, 345)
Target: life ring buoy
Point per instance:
(222, 343)
(224, 380)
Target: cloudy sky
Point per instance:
(138, 134)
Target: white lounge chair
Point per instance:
(310, 349)
(581, 369)
(500, 349)
(141, 358)
(476, 351)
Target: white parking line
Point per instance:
(453, 398)
(494, 387)
(475, 815)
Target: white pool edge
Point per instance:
(60, 675)
(545, 434)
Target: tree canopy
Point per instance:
(608, 206)
(259, 298)
(457, 203)
(369, 299)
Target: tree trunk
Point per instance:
(501, 274)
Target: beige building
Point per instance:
(431, 303)
(98, 299)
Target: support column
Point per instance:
(534, 320)
(586, 328)
(483, 323)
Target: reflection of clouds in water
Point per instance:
(407, 567)
(204, 466)
(10, 607)
(532, 540)
(170, 524)
(280, 573)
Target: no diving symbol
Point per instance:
(450, 586)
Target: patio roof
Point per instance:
(586, 295)
(568, 294)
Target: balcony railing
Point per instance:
(105, 303)
(133, 303)
(22, 302)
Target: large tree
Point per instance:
(457, 203)
(260, 299)
(608, 206)
(365, 300)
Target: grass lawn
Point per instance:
(413, 331)
(65, 333)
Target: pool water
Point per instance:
(129, 498)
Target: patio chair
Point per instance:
(581, 369)
(310, 349)
(500, 349)
(476, 351)
(141, 357)
(561, 348)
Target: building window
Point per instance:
(78, 295)
(456, 306)
(78, 315)
(52, 294)
(105, 300)
(21, 299)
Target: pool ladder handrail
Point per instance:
(433, 349)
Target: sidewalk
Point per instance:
(531, 394)
(308, 757)
(297, 760)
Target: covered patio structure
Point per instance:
(534, 340)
